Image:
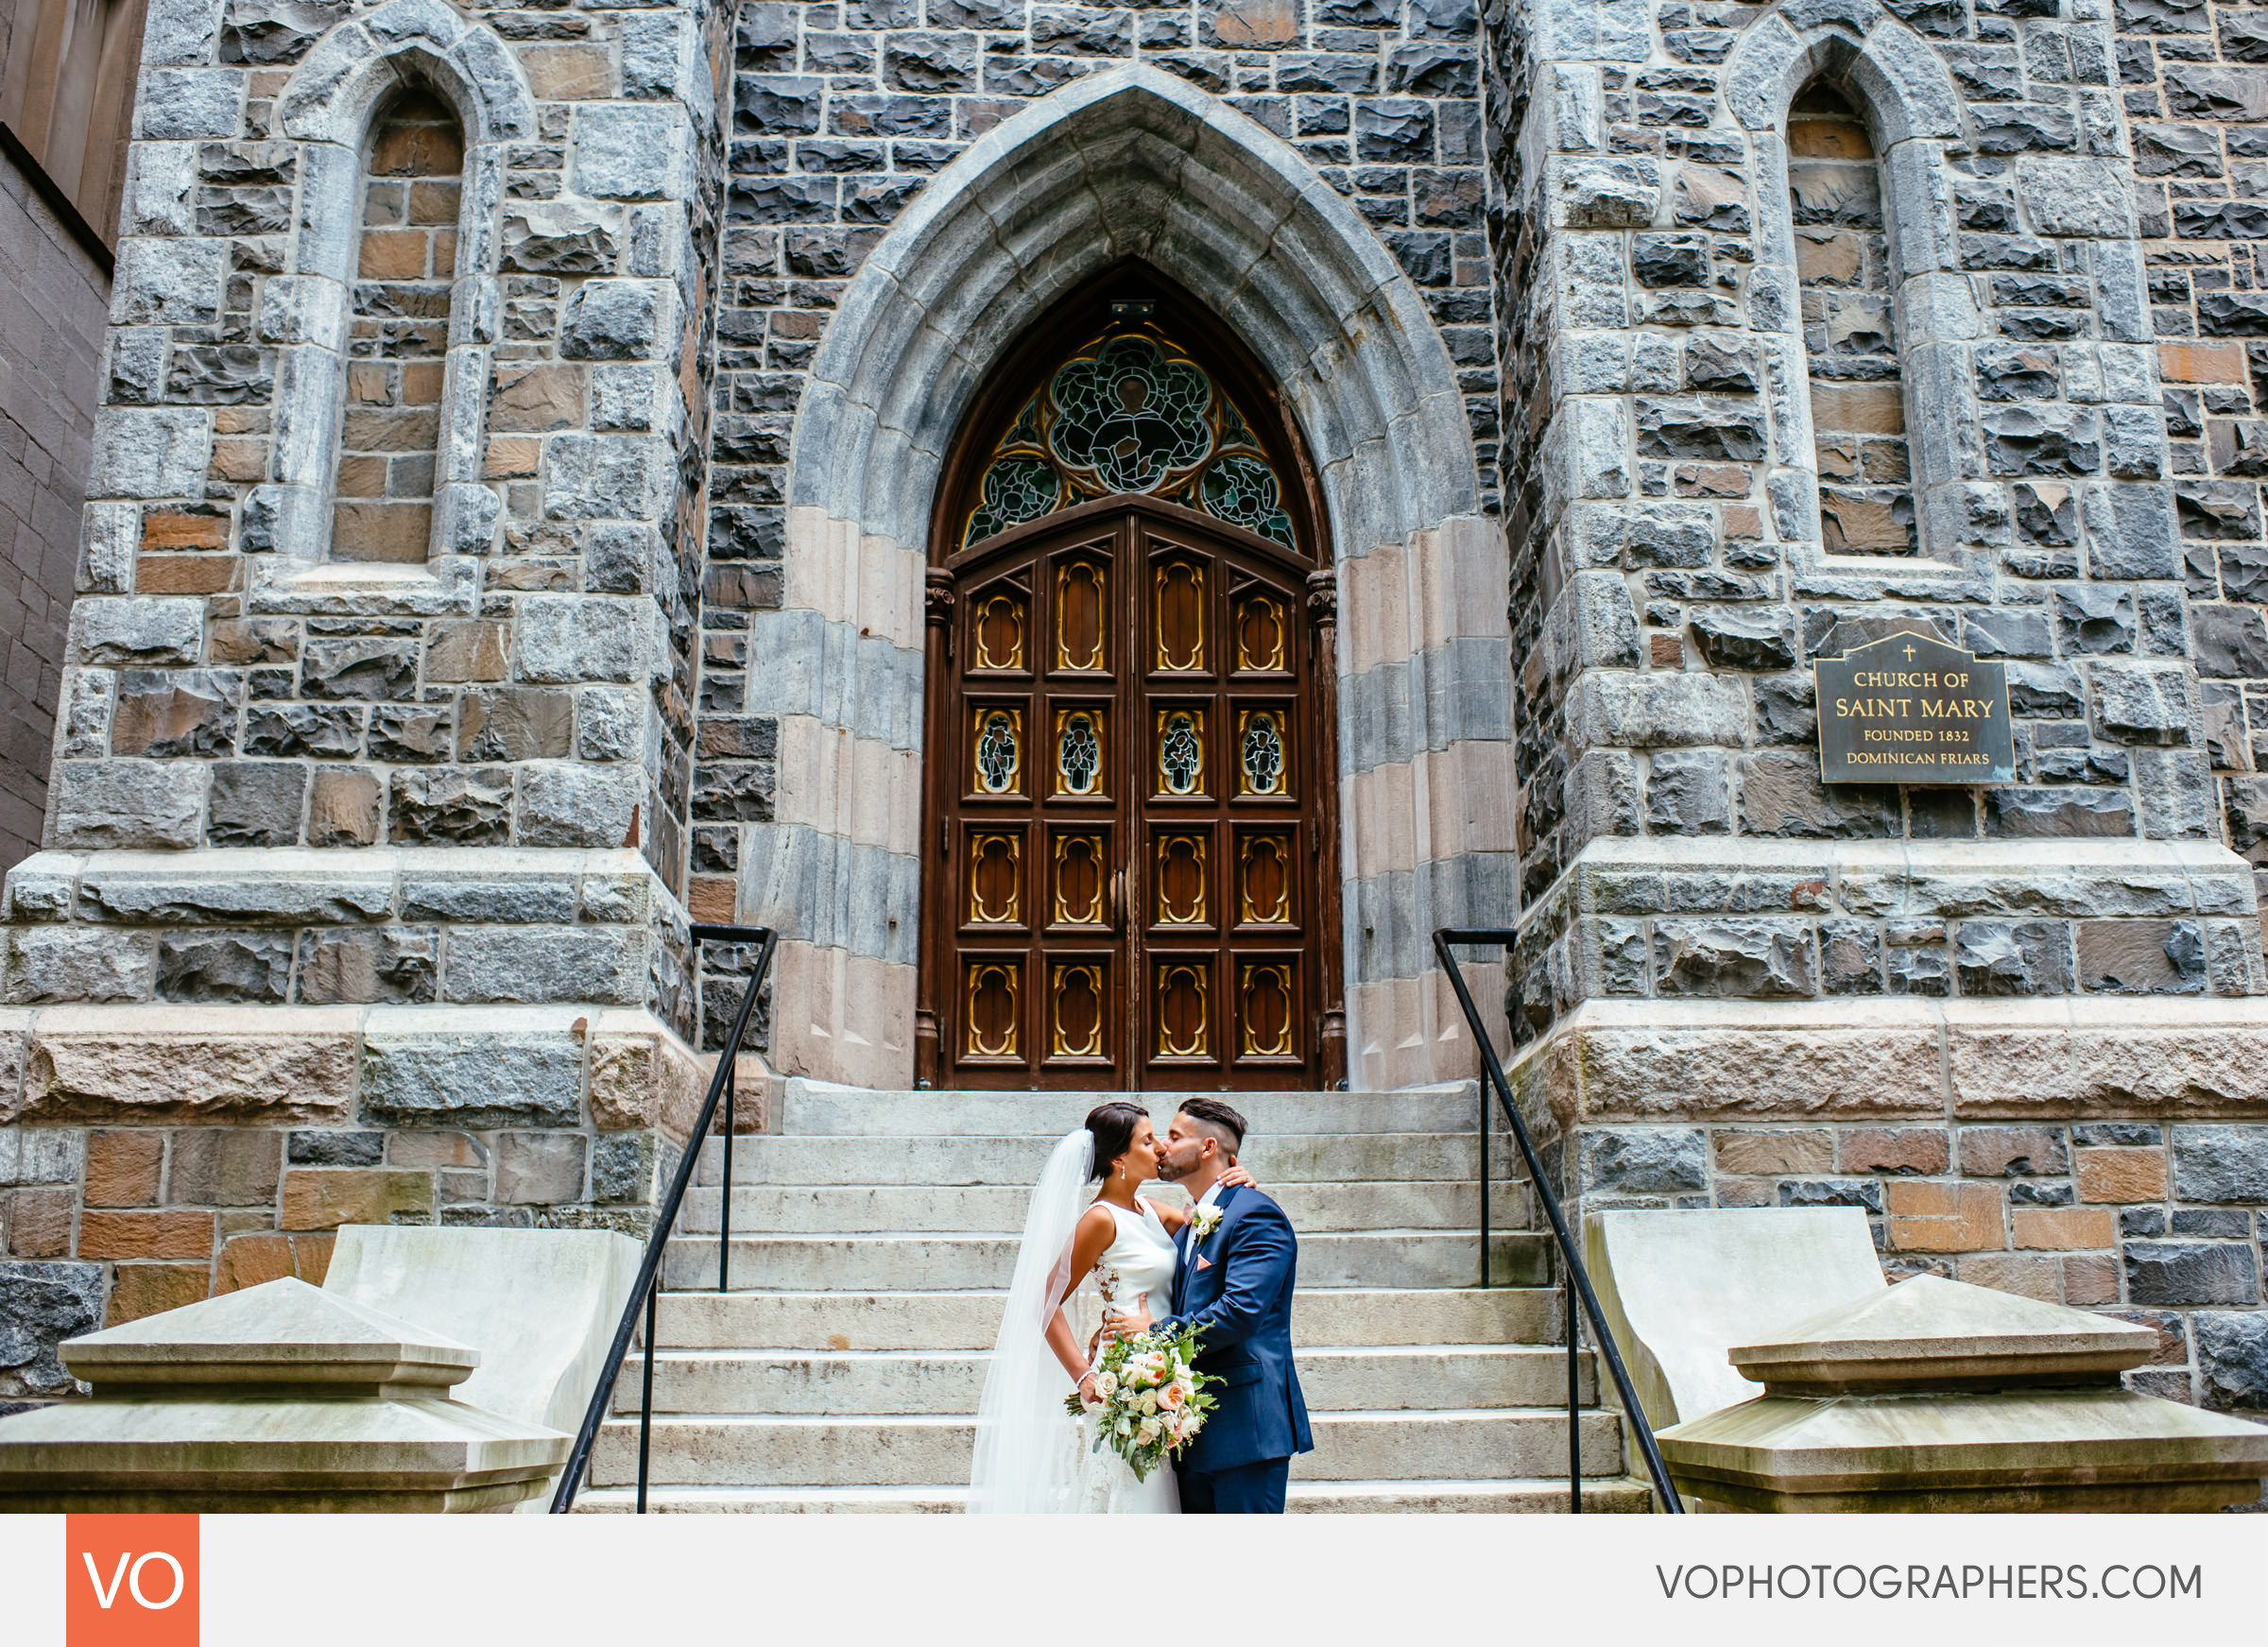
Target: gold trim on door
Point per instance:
(1180, 585)
(1190, 1040)
(994, 611)
(1079, 582)
(981, 913)
(1174, 852)
(1088, 974)
(1092, 910)
(1007, 977)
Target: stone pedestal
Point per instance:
(1936, 1396)
(279, 1397)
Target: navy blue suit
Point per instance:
(1237, 1287)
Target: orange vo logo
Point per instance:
(130, 1581)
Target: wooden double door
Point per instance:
(1131, 877)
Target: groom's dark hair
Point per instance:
(1213, 1112)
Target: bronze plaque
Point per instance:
(1909, 709)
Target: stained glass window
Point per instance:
(1130, 412)
(1263, 754)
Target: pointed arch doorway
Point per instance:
(1130, 874)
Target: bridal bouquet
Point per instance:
(1150, 1399)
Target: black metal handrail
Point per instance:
(647, 1287)
(1574, 1279)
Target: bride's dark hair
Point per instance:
(1114, 1127)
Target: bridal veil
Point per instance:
(1027, 1446)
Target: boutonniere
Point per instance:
(1207, 1218)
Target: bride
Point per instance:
(1032, 1456)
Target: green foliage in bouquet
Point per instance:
(1151, 1398)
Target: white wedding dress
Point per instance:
(1136, 1267)
(1033, 1456)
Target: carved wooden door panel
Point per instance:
(1126, 886)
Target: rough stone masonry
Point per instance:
(452, 630)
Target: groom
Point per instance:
(1234, 1283)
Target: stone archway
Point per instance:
(1135, 163)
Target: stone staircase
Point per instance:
(873, 1238)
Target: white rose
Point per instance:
(1147, 1433)
(1106, 1385)
(1149, 1400)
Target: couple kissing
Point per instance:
(1223, 1270)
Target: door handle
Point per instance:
(1118, 901)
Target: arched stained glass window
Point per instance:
(1130, 412)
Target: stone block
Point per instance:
(41, 1306)
(399, 966)
(2184, 1273)
(2144, 957)
(1781, 795)
(458, 805)
(172, 1064)
(625, 1168)
(152, 1288)
(80, 964)
(38, 1222)
(256, 804)
(436, 1149)
(561, 237)
(335, 1149)
(1894, 1151)
(1755, 959)
(224, 1167)
(2220, 1164)
(343, 808)
(2063, 1228)
(42, 1157)
(1654, 711)
(2013, 957)
(2013, 1152)
(1687, 793)
(1644, 1162)
(251, 967)
(1935, 1215)
(2232, 1359)
(137, 1235)
(517, 724)
(562, 805)
(2120, 1176)
(539, 1168)
(1770, 1154)
(247, 1261)
(123, 1168)
(577, 638)
(2028, 1276)
(603, 964)
(315, 1199)
(472, 1079)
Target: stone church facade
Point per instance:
(535, 443)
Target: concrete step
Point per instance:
(1615, 1495)
(814, 1107)
(970, 1320)
(1313, 1209)
(783, 1452)
(1408, 1377)
(944, 1262)
(930, 1158)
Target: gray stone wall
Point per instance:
(53, 300)
(1740, 986)
(1666, 631)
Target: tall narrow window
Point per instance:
(400, 331)
(1841, 259)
